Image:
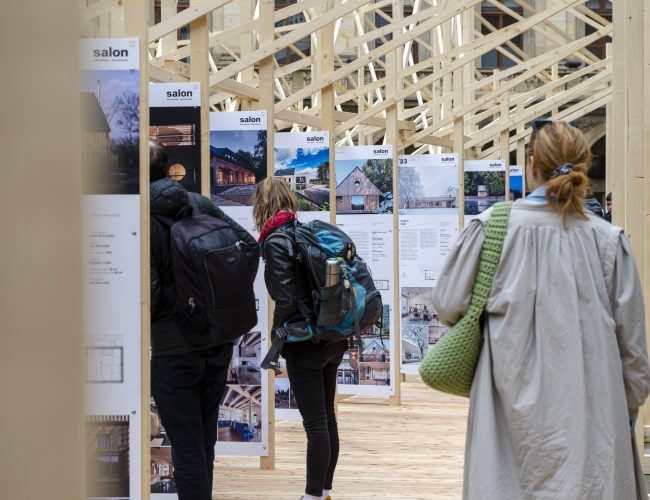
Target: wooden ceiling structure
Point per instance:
(350, 66)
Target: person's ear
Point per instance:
(533, 167)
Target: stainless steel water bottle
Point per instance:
(332, 271)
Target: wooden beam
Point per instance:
(534, 65)
(281, 43)
(192, 13)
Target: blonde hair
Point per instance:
(552, 146)
(272, 195)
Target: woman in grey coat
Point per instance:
(563, 367)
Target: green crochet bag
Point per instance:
(449, 366)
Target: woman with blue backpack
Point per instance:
(311, 366)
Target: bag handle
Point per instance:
(489, 259)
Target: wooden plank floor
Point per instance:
(412, 451)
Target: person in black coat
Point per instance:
(311, 366)
(188, 380)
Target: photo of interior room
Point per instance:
(245, 364)
(240, 414)
(416, 306)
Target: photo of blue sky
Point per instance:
(344, 167)
(304, 160)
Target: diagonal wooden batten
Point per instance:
(534, 65)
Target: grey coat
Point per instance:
(563, 367)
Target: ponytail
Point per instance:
(563, 159)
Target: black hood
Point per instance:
(167, 197)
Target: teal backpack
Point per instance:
(340, 311)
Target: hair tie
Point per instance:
(567, 168)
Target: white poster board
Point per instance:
(237, 164)
(175, 122)
(110, 94)
(302, 161)
(516, 182)
(428, 226)
(364, 210)
(485, 185)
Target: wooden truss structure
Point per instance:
(406, 73)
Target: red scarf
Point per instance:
(276, 221)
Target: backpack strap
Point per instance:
(284, 236)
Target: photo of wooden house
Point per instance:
(356, 194)
(374, 363)
(240, 414)
(98, 160)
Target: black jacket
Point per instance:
(285, 276)
(169, 198)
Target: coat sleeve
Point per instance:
(454, 288)
(626, 299)
(280, 278)
(252, 248)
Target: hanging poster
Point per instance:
(364, 210)
(302, 161)
(516, 182)
(110, 98)
(237, 157)
(237, 164)
(110, 115)
(485, 184)
(428, 226)
(175, 122)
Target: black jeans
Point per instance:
(312, 370)
(188, 389)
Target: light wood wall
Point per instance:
(41, 360)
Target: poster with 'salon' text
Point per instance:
(110, 137)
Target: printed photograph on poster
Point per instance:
(516, 182)
(485, 184)
(240, 414)
(428, 184)
(417, 339)
(175, 122)
(110, 138)
(364, 180)
(302, 161)
(237, 156)
(162, 468)
(416, 306)
(107, 456)
(368, 364)
(246, 358)
(284, 397)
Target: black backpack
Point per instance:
(215, 301)
(340, 311)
